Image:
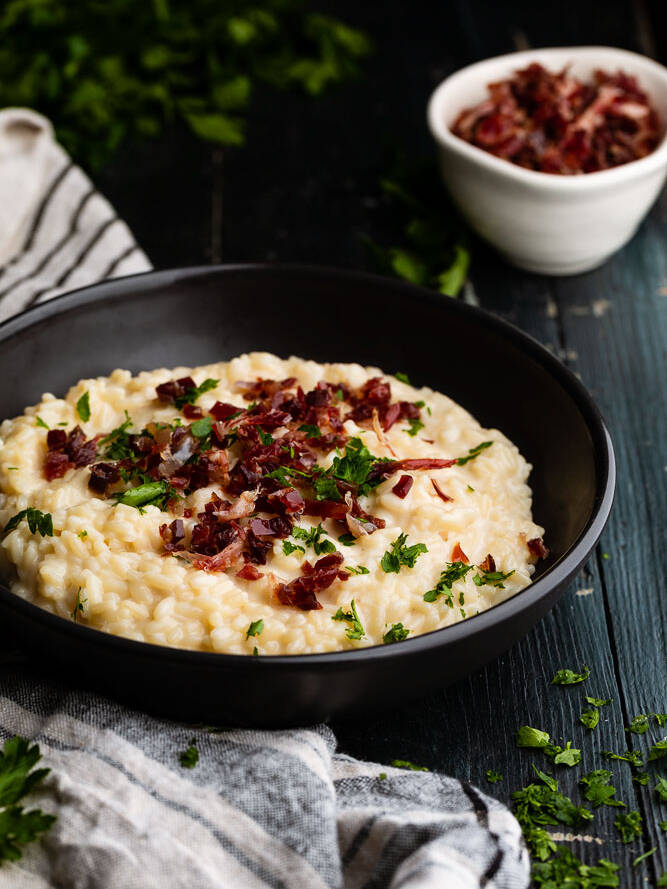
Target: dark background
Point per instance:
(305, 188)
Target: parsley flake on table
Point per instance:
(629, 825)
(396, 633)
(401, 555)
(569, 677)
(313, 537)
(644, 856)
(189, 757)
(641, 778)
(663, 826)
(634, 757)
(590, 717)
(454, 571)
(473, 452)
(255, 628)
(566, 870)
(493, 777)
(639, 724)
(597, 789)
(17, 779)
(657, 751)
(598, 702)
(527, 736)
(661, 788)
(356, 630)
(406, 764)
(83, 407)
(38, 522)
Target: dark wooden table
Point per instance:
(305, 189)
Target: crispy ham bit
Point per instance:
(552, 122)
(441, 494)
(489, 563)
(302, 591)
(403, 486)
(458, 555)
(67, 451)
(537, 548)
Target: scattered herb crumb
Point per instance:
(396, 633)
(590, 717)
(629, 825)
(641, 778)
(355, 631)
(646, 855)
(400, 555)
(493, 777)
(190, 757)
(597, 789)
(657, 751)
(405, 764)
(382, 776)
(569, 677)
(79, 606)
(661, 788)
(634, 757)
(473, 452)
(82, 535)
(255, 628)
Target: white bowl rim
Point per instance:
(549, 181)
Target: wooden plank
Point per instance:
(621, 355)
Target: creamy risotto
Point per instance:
(262, 506)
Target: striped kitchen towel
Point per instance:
(260, 809)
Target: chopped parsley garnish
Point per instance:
(356, 630)
(357, 569)
(347, 539)
(527, 736)
(116, 444)
(79, 606)
(82, 535)
(150, 494)
(83, 407)
(40, 422)
(310, 430)
(634, 757)
(491, 578)
(400, 555)
(396, 633)
(405, 764)
(38, 522)
(590, 717)
(641, 723)
(453, 572)
(597, 789)
(566, 870)
(354, 468)
(17, 779)
(415, 426)
(473, 452)
(402, 377)
(202, 428)
(598, 702)
(629, 825)
(193, 394)
(13, 468)
(289, 548)
(190, 757)
(569, 677)
(255, 651)
(493, 777)
(313, 537)
(382, 776)
(661, 788)
(657, 751)
(255, 628)
(265, 437)
(641, 858)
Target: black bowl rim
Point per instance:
(559, 573)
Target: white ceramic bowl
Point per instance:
(544, 222)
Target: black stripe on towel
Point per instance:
(482, 813)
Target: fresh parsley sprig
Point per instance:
(400, 555)
(38, 522)
(396, 633)
(83, 407)
(18, 778)
(355, 631)
(314, 538)
(453, 572)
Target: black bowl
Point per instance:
(202, 315)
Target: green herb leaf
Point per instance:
(38, 522)
(493, 777)
(83, 407)
(590, 717)
(597, 789)
(415, 426)
(598, 702)
(661, 788)
(190, 757)
(347, 539)
(150, 494)
(255, 628)
(289, 548)
(40, 422)
(79, 606)
(191, 396)
(643, 857)
(569, 677)
(396, 633)
(491, 578)
(313, 537)
(567, 756)
(639, 724)
(402, 377)
(310, 430)
(634, 757)
(356, 630)
(17, 779)
(641, 778)
(527, 736)
(406, 764)
(473, 452)
(629, 825)
(657, 751)
(358, 569)
(202, 428)
(116, 445)
(400, 555)
(453, 572)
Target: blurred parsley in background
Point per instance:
(102, 70)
